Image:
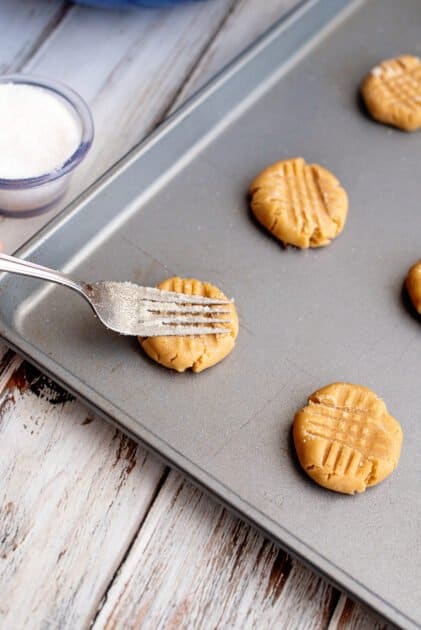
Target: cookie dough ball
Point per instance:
(413, 285)
(195, 352)
(345, 438)
(392, 92)
(300, 204)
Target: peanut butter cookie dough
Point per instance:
(300, 204)
(345, 438)
(392, 92)
(192, 352)
(413, 285)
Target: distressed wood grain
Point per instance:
(194, 565)
(24, 24)
(9, 364)
(74, 491)
(352, 616)
(243, 25)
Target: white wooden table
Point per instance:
(93, 530)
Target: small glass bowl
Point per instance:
(34, 195)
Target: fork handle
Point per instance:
(12, 264)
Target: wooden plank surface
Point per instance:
(246, 21)
(24, 25)
(215, 572)
(351, 616)
(75, 493)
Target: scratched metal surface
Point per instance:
(177, 205)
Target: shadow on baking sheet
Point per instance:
(409, 307)
(361, 106)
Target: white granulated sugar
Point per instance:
(38, 131)
(392, 71)
(377, 71)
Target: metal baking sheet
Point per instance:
(178, 205)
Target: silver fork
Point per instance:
(130, 309)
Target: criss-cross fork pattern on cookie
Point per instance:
(300, 204)
(345, 438)
(197, 352)
(392, 92)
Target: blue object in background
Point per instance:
(124, 4)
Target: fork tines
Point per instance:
(181, 330)
(174, 307)
(170, 313)
(156, 295)
(198, 324)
